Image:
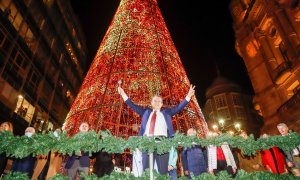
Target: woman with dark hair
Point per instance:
(5, 126)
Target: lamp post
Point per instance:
(237, 126)
(221, 122)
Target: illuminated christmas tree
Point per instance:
(138, 50)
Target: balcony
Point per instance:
(290, 109)
(282, 72)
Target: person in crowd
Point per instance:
(273, 159)
(55, 158)
(103, 164)
(292, 158)
(137, 165)
(5, 126)
(78, 163)
(48, 166)
(27, 164)
(249, 163)
(172, 167)
(220, 158)
(193, 158)
(157, 122)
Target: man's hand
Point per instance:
(121, 91)
(256, 166)
(234, 170)
(211, 171)
(170, 168)
(191, 92)
(186, 173)
(290, 164)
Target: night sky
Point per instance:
(203, 36)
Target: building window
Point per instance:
(12, 13)
(220, 101)
(236, 98)
(283, 51)
(2, 38)
(224, 113)
(240, 113)
(16, 67)
(24, 109)
(33, 79)
(208, 107)
(293, 89)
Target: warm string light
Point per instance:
(138, 50)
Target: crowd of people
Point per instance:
(192, 161)
(156, 123)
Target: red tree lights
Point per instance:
(138, 50)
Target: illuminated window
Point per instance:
(14, 16)
(4, 5)
(24, 109)
(293, 89)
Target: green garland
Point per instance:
(223, 175)
(41, 144)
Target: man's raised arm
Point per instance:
(138, 109)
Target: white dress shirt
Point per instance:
(160, 128)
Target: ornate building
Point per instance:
(268, 39)
(226, 102)
(137, 49)
(42, 62)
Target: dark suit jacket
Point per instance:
(103, 164)
(194, 160)
(145, 113)
(84, 161)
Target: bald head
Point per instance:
(191, 132)
(84, 127)
(30, 130)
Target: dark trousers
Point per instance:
(161, 161)
(25, 165)
(3, 162)
(221, 166)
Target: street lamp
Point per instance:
(222, 122)
(237, 126)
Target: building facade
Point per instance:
(42, 62)
(225, 101)
(268, 39)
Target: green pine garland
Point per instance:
(41, 144)
(223, 175)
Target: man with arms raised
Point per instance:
(157, 121)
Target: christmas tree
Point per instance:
(138, 51)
